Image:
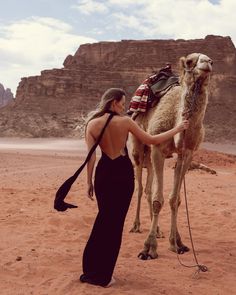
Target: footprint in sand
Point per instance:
(127, 255)
(73, 224)
(47, 283)
(226, 213)
(55, 221)
(88, 220)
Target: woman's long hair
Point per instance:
(105, 102)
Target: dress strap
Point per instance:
(63, 190)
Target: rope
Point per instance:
(200, 267)
(188, 114)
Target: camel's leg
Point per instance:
(138, 158)
(150, 244)
(182, 165)
(149, 181)
(148, 191)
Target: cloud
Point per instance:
(124, 21)
(187, 19)
(90, 6)
(161, 19)
(125, 3)
(177, 18)
(34, 44)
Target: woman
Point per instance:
(113, 184)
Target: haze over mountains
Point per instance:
(52, 104)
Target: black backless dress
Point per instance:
(114, 186)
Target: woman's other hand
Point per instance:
(90, 191)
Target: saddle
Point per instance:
(148, 94)
(160, 83)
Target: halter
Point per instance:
(192, 104)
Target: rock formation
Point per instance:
(52, 104)
(6, 96)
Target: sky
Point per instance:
(38, 34)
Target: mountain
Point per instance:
(6, 96)
(53, 103)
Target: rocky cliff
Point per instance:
(6, 96)
(52, 104)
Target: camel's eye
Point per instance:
(189, 62)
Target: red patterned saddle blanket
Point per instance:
(148, 94)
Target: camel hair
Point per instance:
(187, 100)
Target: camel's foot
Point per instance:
(146, 256)
(179, 249)
(150, 249)
(177, 246)
(135, 228)
(160, 234)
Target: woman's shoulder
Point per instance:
(95, 121)
(98, 122)
(121, 117)
(121, 120)
(127, 120)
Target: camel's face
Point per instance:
(197, 63)
(204, 63)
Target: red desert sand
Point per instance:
(41, 249)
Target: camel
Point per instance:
(188, 100)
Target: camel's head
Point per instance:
(196, 64)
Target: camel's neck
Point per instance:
(194, 100)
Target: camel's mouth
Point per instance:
(205, 64)
(206, 70)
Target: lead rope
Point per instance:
(200, 267)
(187, 115)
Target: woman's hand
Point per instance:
(90, 191)
(183, 126)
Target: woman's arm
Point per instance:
(90, 141)
(155, 139)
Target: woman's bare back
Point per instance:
(114, 138)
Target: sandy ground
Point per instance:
(41, 249)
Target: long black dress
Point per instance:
(114, 186)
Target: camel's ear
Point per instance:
(186, 63)
(182, 64)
